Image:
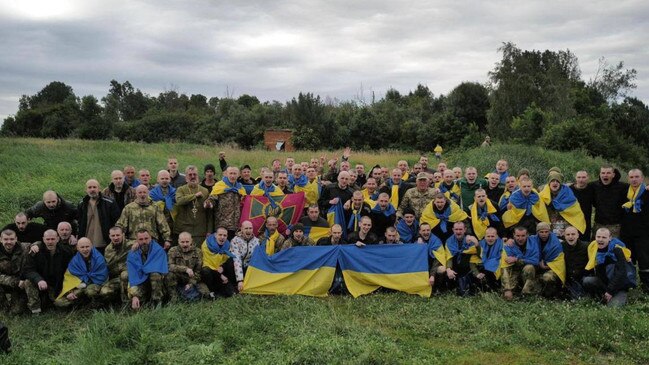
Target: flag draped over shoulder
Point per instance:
(451, 214)
(492, 256)
(596, 258)
(635, 198)
(79, 272)
(286, 208)
(158, 197)
(522, 205)
(215, 255)
(394, 191)
(552, 254)
(398, 267)
(482, 218)
(566, 204)
(156, 262)
(408, 234)
(531, 255)
(225, 186)
(297, 270)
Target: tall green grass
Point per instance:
(376, 329)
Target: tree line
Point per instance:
(531, 97)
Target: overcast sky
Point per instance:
(275, 49)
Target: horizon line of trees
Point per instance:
(531, 97)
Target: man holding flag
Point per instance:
(86, 274)
(147, 266)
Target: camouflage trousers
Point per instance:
(89, 293)
(517, 276)
(12, 298)
(115, 289)
(174, 280)
(153, 287)
(37, 299)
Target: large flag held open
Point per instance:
(298, 270)
(398, 267)
(309, 270)
(286, 208)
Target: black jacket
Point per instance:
(333, 191)
(32, 233)
(608, 200)
(636, 224)
(618, 281)
(108, 215)
(50, 268)
(586, 199)
(576, 259)
(64, 212)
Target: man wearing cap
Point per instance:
(562, 205)
(208, 181)
(418, 197)
(552, 266)
(297, 238)
(246, 178)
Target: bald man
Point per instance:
(334, 193)
(119, 190)
(634, 231)
(97, 214)
(54, 210)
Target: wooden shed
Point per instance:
(278, 140)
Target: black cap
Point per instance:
(210, 167)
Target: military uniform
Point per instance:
(49, 268)
(10, 265)
(147, 216)
(520, 273)
(191, 216)
(278, 242)
(179, 262)
(416, 200)
(154, 286)
(228, 213)
(292, 242)
(117, 276)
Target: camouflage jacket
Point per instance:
(135, 217)
(116, 258)
(180, 261)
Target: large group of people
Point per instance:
(181, 237)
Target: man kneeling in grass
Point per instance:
(146, 265)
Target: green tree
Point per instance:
(469, 102)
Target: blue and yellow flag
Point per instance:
(566, 204)
(304, 270)
(492, 256)
(597, 258)
(156, 262)
(482, 218)
(408, 234)
(552, 254)
(315, 232)
(397, 267)
(336, 215)
(451, 214)
(521, 205)
(531, 256)
(215, 255)
(225, 186)
(312, 191)
(635, 198)
(79, 272)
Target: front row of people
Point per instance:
(49, 273)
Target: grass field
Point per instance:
(375, 329)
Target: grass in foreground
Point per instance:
(380, 328)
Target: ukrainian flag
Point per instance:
(398, 267)
(316, 233)
(336, 215)
(297, 270)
